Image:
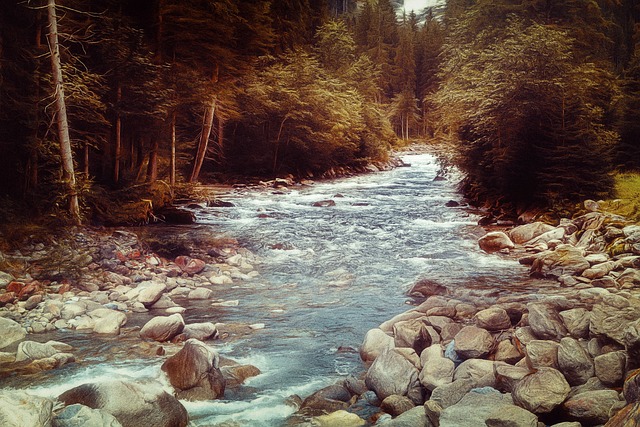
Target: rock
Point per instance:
(329, 399)
(200, 293)
(631, 388)
(591, 407)
(481, 371)
(507, 352)
(391, 373)
(396, 405)
(375, 343)
(31, 350)
(629, 416)
(526, 232)
(473, 342)
(82, 416)
(511, 416)
(108, 321)
(610, 367)
(475, 408)
(189, 265)
(507, 376)
(12, 332)
(598, 271)
(72, 310)
(339, 418)
(574, 361)
(495, 241)
(33, 301)
(542, 391)
(200, 331)
(414, 334)
(133, 404)
(238, 374)
(415, 417)
(437, 370)
(194, 372)
(545, 322)
(631, 340)
(425, 288)
(449, 394)
(150, 293)
(493, 319)
(565, 259)
(324, 203)
(163, 328)
(19, 409)
(609, 319)
(576, 320)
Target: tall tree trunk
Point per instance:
(61, 110)
(118, 142)
(152, 167)
(207, 125)
(86, 159)
(172, 159)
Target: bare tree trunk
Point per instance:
(152, 167)
(118, 147)
(207, 125)
(172, 159)
(86, 159)
(61, 110)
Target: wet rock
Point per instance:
(574, 361)
(190, 265)
(19, 409)
(150, 292)
(475, 408)
(200, 331)
(163, 328)
(391, 373)
(493, 319)
(82, 416)
(396, 405)
(426, 287)
(511, 416)
(329, 399)
(414, 334)
(495, 241)
(507, 376)
(340, 418)
(132, 403)
(591, 407)
(542, 391)
(565, 259)
(473, 342)
(31, 350)
(631, 388)
(375, 343)
(237, 374)
(598, 271)
(12, 332)
(576, 320)
(194, 372)
(629, 416)
(545, 322)
(200, 293)
(324, 203)
(437, 370)
(526, 232)
(108, 321)
(610, 367)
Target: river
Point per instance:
(327, 275)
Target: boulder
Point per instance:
(82, 416)
(475, 408)
(396, 405)
(426, 287)
(495, 241)
(436, 370)
(629, 416)
(526, 232)
(414, 334)
(507, 376)
(473, 342)
(493, 319)
(449, 394)
(12, 332)
(329, 399)
(507, 352)
(542, 391)
(610, 367)
(631, 341)
(610, 319)
(576, 320)
(237, 374)
(511, 416)
(150, 292)
(391, 373)
(163, 328)
(481, 371)
(200, 293)
(194, 372)
(19, 409)
(200, 331)
(598, 271)
(375, 343)
(591, 407)
(631, 388)
(132, 403)
(565, 259)
(415, 417)
(108, 321)
(574, 361)
(31, 350)
(545, 322)
(189, 265)
(339, 418)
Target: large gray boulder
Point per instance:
(12, 332)
(511, 416)
(415, 417)
(449, 394)
(150, 292)
(31, 350)
(542, 391)
(475, 408)
(391, 373)
(574, 361)
(565, 259)
(545, 322)
(526, 232)
(591, 407)
(19, 409)
(473, 342)
(108, 321)
(541, 353)
(132, 403)
(576, 320)
(493, 319)
(436, 370)
(82, 416)
(610, 367)
(611, 317)
(163, 328)
(495, 241)
(376, 342)
(194, 372)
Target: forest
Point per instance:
(538, 100)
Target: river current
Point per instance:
(327, 275)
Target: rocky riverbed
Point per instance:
(566, 356)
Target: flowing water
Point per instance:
(327, 275)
